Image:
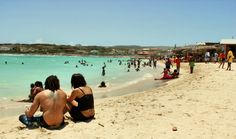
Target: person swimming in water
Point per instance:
(103, 84)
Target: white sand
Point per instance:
(200, 105)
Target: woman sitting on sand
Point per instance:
(81, 102)
(166, 75)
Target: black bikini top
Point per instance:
(85, 102)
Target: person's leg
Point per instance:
(25, 120)
(191, 70)
(40, 121)
(28, 121)
(178, 69)
(228, 66)
(220, 64)
(69, 105)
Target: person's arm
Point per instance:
(30, 112)
(72, 96)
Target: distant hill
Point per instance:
(38, 48)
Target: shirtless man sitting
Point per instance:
(51, 101)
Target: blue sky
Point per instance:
(117, 22)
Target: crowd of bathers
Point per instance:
(54, 102)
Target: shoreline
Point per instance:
(12, 107)
(113, 80)
(198, 105)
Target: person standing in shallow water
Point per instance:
(103, 70)
(52, 102)
(80, 102)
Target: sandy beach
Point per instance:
(198, 105)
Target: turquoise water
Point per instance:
(15, 77)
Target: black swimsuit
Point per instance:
(84, 103)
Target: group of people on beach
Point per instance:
(221, 58)
(167, 73)
(54, 103)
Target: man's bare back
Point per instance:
(52, 102)
(52, 105)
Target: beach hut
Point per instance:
(198, 50)
(228, 44)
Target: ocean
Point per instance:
(17, 72)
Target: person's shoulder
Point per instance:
(39, 89)
(76, 90)
(40, 92)
(40, 95)
(91, 88)
(86, 88)
(62, 92)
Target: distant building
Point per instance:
(152, 52)
(145, 51)
(228, 44)
(207, 43)
(94, 52)
(5, 48)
